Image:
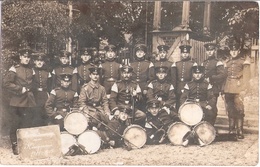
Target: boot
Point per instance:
(240, 123)
(232, 126)
(14, 148)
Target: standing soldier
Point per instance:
(64, 68)
(19, 81)
(124, 96)
(143, 71)
(110, 69)
(238, 75)
(162, 61)
(183, 71)
(162, 90)
(214, 71)
(83, 68)
(41, 88)
(61, 100)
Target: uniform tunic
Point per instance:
(83, 73)
(93, 97)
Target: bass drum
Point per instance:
(205, 132)
(190, 113)
(176, 132)
(67, 140)
(75, 123)
(90, 140)
(135, 136)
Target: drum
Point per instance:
(205, 132)
(134, 136)
(90, 140)
(75, 123)
(176, 132)
(67, 140)
(190, 113)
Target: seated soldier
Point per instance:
(61, 100)
(157, 122)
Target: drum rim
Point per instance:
(202, 122)
(100, 141)
(175, 123)
(82, 126)
(186, 103)
(67, 134)
(134, 125)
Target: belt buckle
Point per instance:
(110, 79)
(197, 100)
(127, 102)
(40, 89)
(64, 110)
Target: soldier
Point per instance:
(163, 91)
(214, 71)
(143, 71)
(61, 100)
(110, 69)
(238, 75)
(157, 122)
(64, 68)
(162, 61)
(183, 72)
(19, 81)
(124, 96)
(201, 92)
(93, 98)
(41, 88)
(83, 68)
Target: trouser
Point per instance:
(22, 118)
(40, 117)
(210, 115)
(234, 106)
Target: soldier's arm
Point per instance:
(105, 101)
(113, 98)
(9, 81)
(74, 80)
(174, 75)
(83, 99)
(220, 73)
(50, 104)
(151, 73)
(185, 94)
(211, 99)
(171, 102)
(75, 103)
(49, 82)
(54, 79)
(150, 94)
(246, 74)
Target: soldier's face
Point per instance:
(110, 54)
(65, 84)
(94, 77)
(161, 75)
(153, 110)
(25, 59)
(234, 53)
(162, 54)
(39, 63)
(85, 58)
(197, 76)
(64, 60)
(210, 53)
(185, 55)
(126, 75)
(140, 54)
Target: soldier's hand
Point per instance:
(208, 107)
(58, 117)
(24, 90)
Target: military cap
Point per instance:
(161, 69)
(141, 47)
(110, 48)
(25, 52)
(210, 46)
(64, 53)
(234, 45)
(66, 76)
(163, 48)
(126, 68)
(95, 70)
(86, 51)
(153, 104)
(198, 69)
(39, 56)
(185, 46)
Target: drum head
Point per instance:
(75, 123)
(135, 136)
(176, 132)
(206, 132)
(90, 140)
(67, 140)
(190, 113)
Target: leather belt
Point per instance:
(39, 89)
(96, 104)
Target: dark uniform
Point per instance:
(238, 75)
(157, 122)
(183, 72)
(60, 102)
(64, 68)
(166, 63)
(41, 89)
(123, 99)
(163, 91)
(110, 71)
(19, 81)
(201, 92)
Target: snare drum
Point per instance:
(75, 123)
(176, 132)
(205, 132)
(90, 140)
(67, 140)
(135, 136)
(190, 113)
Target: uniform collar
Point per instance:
(94, 85)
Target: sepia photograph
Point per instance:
(129, 83)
